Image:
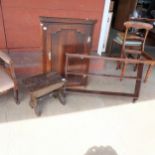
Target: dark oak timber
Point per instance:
(139, 62)
(65, 35)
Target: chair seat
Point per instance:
(6, 82)
(120, 36)
(119, 40)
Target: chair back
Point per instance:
(136, 36)
(138, 25)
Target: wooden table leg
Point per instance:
(138, 82)
(61, 96)
(37, 110)
(33, 101)
(34, 104)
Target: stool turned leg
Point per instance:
(37, 110)
(33, 101)
(61, 96)
(34, 104)
(55, 94)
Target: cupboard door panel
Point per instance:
(65, 35)
(65, 41)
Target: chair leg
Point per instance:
(136, 66)
(110, 49)
(123, 71)
(16, 95)
(148, 73)
(119, 64)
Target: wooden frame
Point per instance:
(138, 77)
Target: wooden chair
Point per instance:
(7, 76)
(132, 43)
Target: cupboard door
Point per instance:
(67, 41)
(64, 35)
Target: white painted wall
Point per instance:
(103, 31)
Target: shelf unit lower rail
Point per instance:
(138, 78)
(101, 75)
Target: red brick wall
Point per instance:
(2, 37)
(22, 22)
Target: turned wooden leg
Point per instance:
(110, 48)
(134, 100)
(123, 71)
(33, 101)
(119, 64)
(34, 104)
(61, 96)
(55, 94)
(138, 82)
(148, 73)
(37, 110)
(135, 67)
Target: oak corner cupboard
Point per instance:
(65, 35)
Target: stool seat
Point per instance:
(44, 84)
